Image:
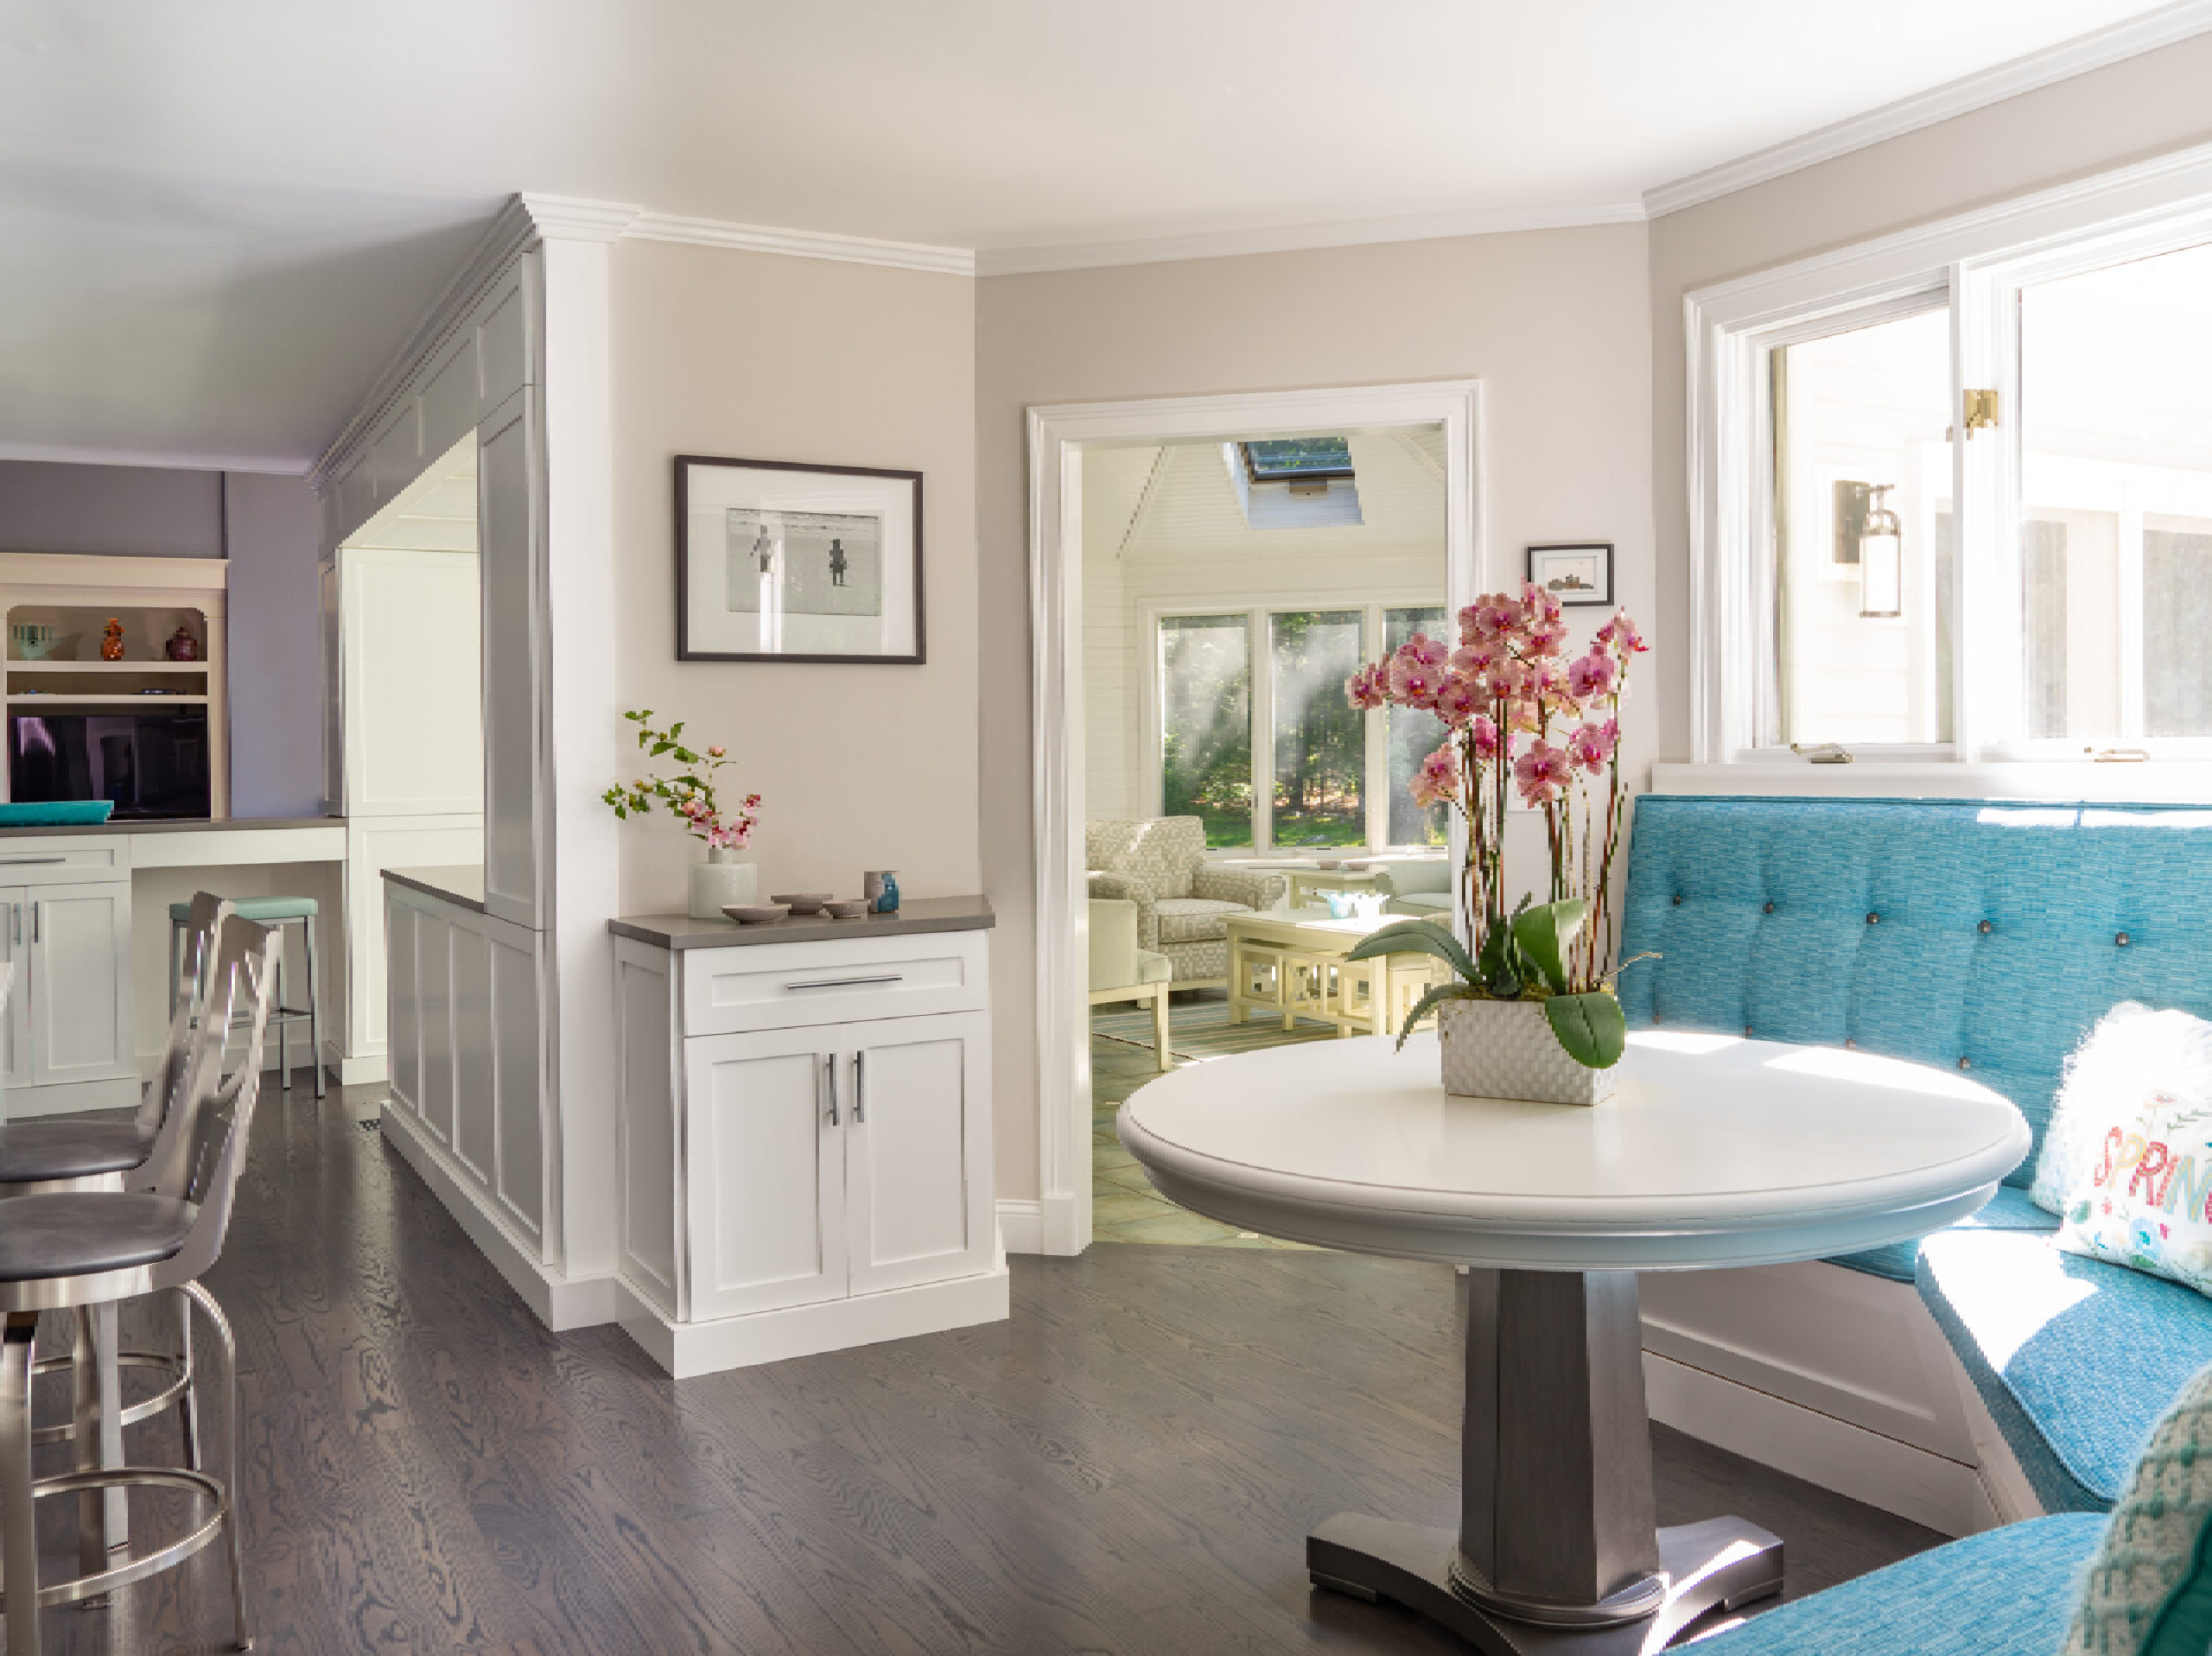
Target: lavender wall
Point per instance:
(267, 526)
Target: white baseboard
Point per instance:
(374, 1069)
(688, 1349)
(1897, 1477)
(558, 1302)
(1021, 1225)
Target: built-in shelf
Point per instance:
(67, 699)
(16, 664)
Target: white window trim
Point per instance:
(1375, 781)
(1978, 260)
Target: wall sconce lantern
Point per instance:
(1881, 558)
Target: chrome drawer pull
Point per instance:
(829, 1063)
(841, 983)
(860, 1094)
(24, 862)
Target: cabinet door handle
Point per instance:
(831, 1062)
(860, 1097)
(24, 862)
(36, 909)
(841, 983)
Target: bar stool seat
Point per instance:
(279, 911)
(34, 1152)
(80, 1233)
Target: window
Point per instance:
(1297, 459)
(1952, 492)
(1280, 759)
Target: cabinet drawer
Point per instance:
(785, 986)
(40, 862)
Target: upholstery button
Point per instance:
(1770, 908)
(1678, 899)
(2121, 940)
(1966, 1064)
(1874, 919)
(1656, 1018)
(1850, 1045)
(1985, 928)
(1747, 1031)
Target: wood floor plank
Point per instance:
(1129, 1465)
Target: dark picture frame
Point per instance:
(1565, 561)
(823, 595)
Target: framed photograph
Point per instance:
(777, 561)
(1576, 572)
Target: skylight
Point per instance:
(1297, 460)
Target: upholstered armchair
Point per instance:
(1420, 887)
(1182, 901)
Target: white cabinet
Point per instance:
(820, 1176)
(70, 1030)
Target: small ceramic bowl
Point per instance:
(802, 902)
(756, 914)
(851, 908)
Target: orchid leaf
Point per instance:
(1546, 934)
(1436, 994)
(1591, 1027)
(1416, 936)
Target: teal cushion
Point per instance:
(2076, 1359)
(1758, 911)
(257, 908)
(2009, 1210)
(2148, 1592)
(2005, 1592)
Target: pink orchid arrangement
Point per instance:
(1524, 717)
(690, 794)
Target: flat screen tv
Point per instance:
(150, 764)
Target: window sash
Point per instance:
(1978, 265)
(1374, 775)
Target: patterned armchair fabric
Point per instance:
(1183, 902)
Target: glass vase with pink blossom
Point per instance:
(690, 795)
(1524, 719)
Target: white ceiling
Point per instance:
(217, 220)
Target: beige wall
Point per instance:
(766, 358)
(1555, 323)
(2129, 112)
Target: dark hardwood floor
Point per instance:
(1129, 1465)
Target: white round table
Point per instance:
(1715, 1150)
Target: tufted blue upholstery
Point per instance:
(2056, 884)
(2005, 1592)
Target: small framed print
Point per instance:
(778, 561)
(1574, 571)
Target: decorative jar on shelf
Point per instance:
(1506, 1049)
(719, 881)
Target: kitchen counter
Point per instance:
(171, 825)
(462, 883)
(916, 914)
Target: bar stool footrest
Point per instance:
(148, 1563)
(144, 1409)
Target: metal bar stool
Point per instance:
(276, 912)
(48, 1155)
(79, 1249)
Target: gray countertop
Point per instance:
(916, 914)
(462, 883)
(173, 825)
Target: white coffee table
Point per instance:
(1291, 965)
(1715, 1152)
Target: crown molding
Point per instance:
(154, 460)
(1293, 238)
(575, 218)
(2095, 50)
(802, 244)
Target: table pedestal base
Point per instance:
(1717, 1565)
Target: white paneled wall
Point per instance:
(1163, 532)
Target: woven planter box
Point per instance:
(1505, 1049)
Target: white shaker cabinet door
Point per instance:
(79, 1006)
(764, 1171)
(918, 1155)
(16, 1028)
